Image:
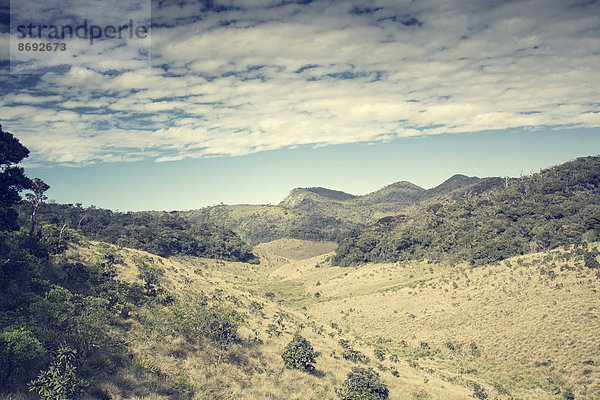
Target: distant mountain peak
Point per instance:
(456, 181)
(307, 196)
(405, 185)
(331, 194)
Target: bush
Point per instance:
(20, 355)
(479, 392)
(355, 356)
(568, 394)
(363, 384)
(60, 380)
(299, 354)
(590, 260)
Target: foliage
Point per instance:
(479, 392)
(37, 197)
(590, 260)
(20, 354)
(355, 356)
(60, 380)
(199, 317)
(379, 354)
(12, 178)
(150, 275)
(363, 384)
(299, 354)
(568, 394)
(163, 233)
(555, 207)
(48, 303)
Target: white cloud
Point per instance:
(281, 76)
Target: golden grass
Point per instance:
(517, 314)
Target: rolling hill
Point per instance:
(324, 214)
(491, 221)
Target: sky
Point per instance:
(241, 101)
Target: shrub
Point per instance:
(273, 330)
(363, 384)
(355, 356)
(299, 354)
(60, 380)
(20, 354)
(568, 394)
(479, 392)
(590, 260)
(420, 394)
(150, 274)
(220, 323)
(380, 354)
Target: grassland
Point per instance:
(164, 365)
(524, 328)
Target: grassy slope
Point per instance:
(518, 317)
(517, 313)
(253, 371)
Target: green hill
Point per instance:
(329, 215)
(490, 222)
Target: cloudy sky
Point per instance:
(246, 99)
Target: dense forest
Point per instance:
(557, 206)
(162, 233)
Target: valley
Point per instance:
(480, 288)
(524, 328)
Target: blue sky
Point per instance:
(247, 99)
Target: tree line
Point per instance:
(555, 207)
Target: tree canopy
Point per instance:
(12, 178)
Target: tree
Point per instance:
(12, 178)
(299, 354)
(38, 187)
(363, 384)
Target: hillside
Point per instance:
(490, 221)
(400, 193)
(149, 327)
(162, 233)
(523, 328)
(330, 215)
(480, 288)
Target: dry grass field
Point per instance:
(525, 328)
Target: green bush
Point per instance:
(21, 353)
(355, 356)
(197, 318)
(60, 380)
(363, 384)
(299, 354)
(379, 354)
(590, 260)
(479, 392)
(568, 394)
